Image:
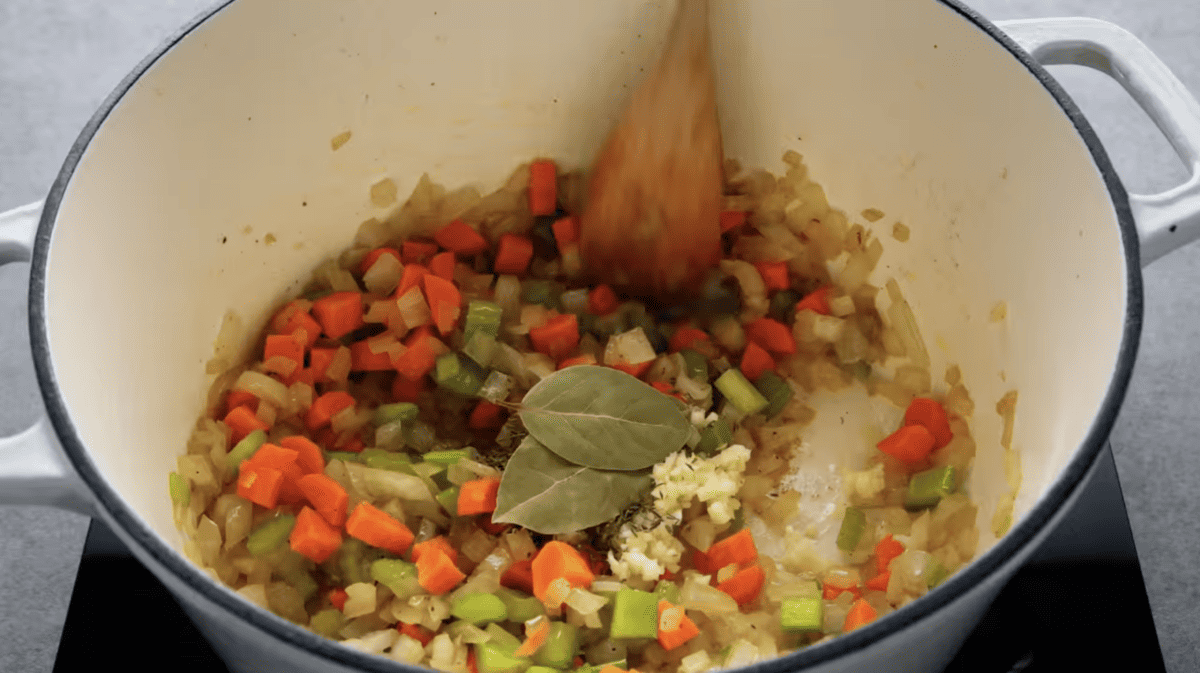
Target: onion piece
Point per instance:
(264, 387)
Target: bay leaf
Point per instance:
(604, 418)
(544, 493)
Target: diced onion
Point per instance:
(384, 275)
(263, 387)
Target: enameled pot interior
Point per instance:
(223, 144)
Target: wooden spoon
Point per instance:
(652, 221)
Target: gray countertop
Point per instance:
(60, 58)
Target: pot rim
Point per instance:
(1008, 547)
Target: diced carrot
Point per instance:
(363, 360)
(326, 496)
(830, 592)
(910, 443)
(491, 527)
(284, 346)
(378, 529)
(242, 421)
(861, 613)
(931, 414)
(478, 496)
(417, 252)
(885, 550)
(732, 219)
(313, 537)
(240, 398)
(602, 300)
(280, 321)
(755, 361)
(405, 389)
(636, 371)
(351, 445)
(337, 598)
(534, 639)
(558, 337)
(424, 334)
(308, 455)
(774, 275)
(486, 416)
(415, 362)
(445, 302)
(519, 576)
(816, 301)
(410, 278)
(275, 457)
(559, 560)
(260, 485)
(738, 548)
(880, 581)
(585, 359)
(513, 254)
(472, 664)
(543, 187)
(460, 238)
(324, 407)
(566, 231)
(664, 388)
(436, 573)
(442, 265)
(374, 255)
(685, 336)
(319, 360)
(416, 632)
(436, 542)
(772, 335)
(303, 320)
(674, 626)
(745, 585)
(339, 313)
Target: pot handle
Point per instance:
(1167, 220)
(33, 468)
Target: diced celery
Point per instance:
(399, 576)
(344, 456)
(180, 493)
(447, 457)
(538, 291)
(635, 615)
(740, 393)
(853, 525)
(667, 591)
(927, 488)
(466, 632)
(351, 561)
(697, 365)
(935, 572)
(492, 658)
(300, 579)
(776, 390)
(243, 450)
(270, 535)
(448, 499)
(482, 317)
(521, 607)
(386, 460)
(479, 608)
(501, 638)
(783, 306)
(480, 349)
(452, 373)
(561, 646)
(738, 522)
(327, 622)
(399, 411)
(541, 669)
(801, 614)
(714, 436)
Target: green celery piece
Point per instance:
(351, 561)
(714, 436)
(521, 606)
(491, 657)
(506, 641)
(544, 292)
(300, 579)
(483, 317)
(447, 457)
(740, 393)
(480, 348)
(448, 499)
(541, 669)
(853, 525)
(441, 480)
(635, 615)
(327, 622)
(243, 450)
(783, 306)
(776, 390)
(927, 488)
(399, 576)
(386, 460)
(738, 522)
(180, 493)
(801, 614)
(935, 572)
(399, 411)
(697, 365)
(270, 535)
(479, 608)
(667, 591)
(344, 456)
(453, 374)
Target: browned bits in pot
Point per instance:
(900, 232)
(336, 142)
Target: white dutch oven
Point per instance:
(158, 221)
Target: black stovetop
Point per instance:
(1080, 600)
